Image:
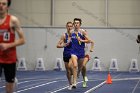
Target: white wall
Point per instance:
(109, 43)
(37, 13)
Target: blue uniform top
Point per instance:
(67, 49)
(77, 47)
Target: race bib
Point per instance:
(6, 36)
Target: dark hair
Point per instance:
(69, 22)
(9, 2)
(78, 19)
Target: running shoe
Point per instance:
(85, 78)
(74, 86)
(16, 82)
(84, 84)
(70, 87)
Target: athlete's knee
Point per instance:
(84, 65)
(75, 66)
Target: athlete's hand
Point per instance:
(65, 44)
(91, 50)
(4, 46)
(68, 42)
(78, 38)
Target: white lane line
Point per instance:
(117, 75)
(35, 87)
(101, 84)
(94, 88)
(22, 83)
(31, 81)
(135, 87)
(63, 88)
(137, 78)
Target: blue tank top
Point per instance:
(77, 49)
(67, 49)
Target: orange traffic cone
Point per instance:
(109, 79)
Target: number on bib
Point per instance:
(6, 36)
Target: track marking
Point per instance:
(101, 84)
(34, 79)
(136, 86)
(35, 86)
(94, 88)
(138, 78)
(63, 88)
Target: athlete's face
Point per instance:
(69, 26)
(3, 6)
(77, 24)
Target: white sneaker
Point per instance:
(70, 87)
(85, 78)
(16, 82)
(74, 86)
(84, 84)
